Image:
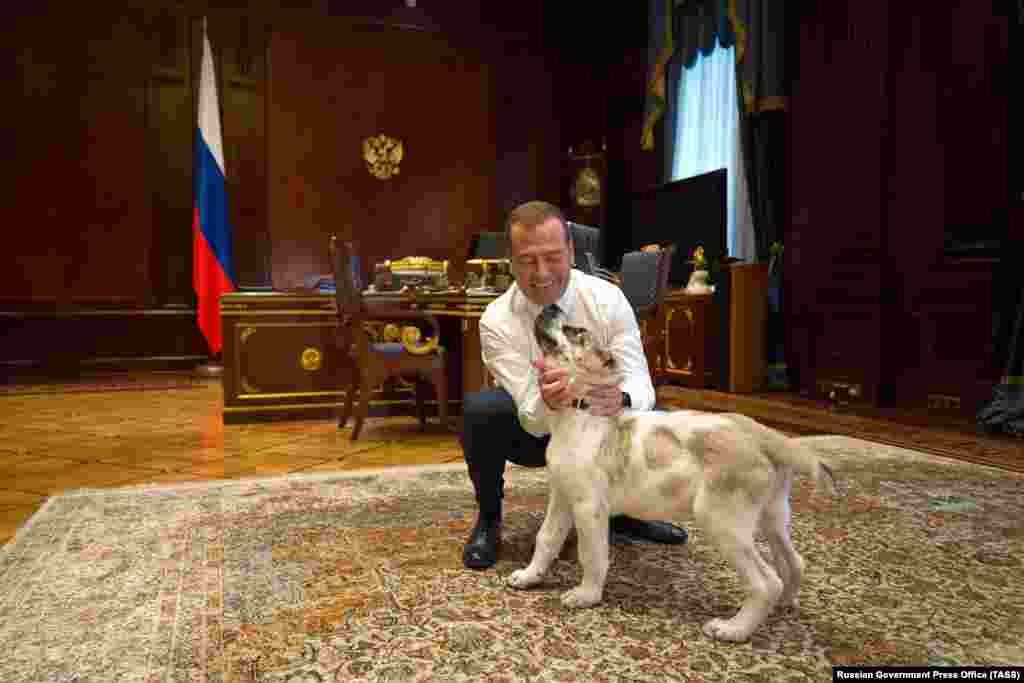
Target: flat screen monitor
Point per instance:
(688, 213)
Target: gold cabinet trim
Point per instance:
(250, 390)
(311, 359)
(670, 365)
(291, 394)
(265, 312)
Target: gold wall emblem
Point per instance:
(382, 156)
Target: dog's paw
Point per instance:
(581, 597)
(788, 604)
(523, 578)
(727, 629)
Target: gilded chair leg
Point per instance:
(439, 379)
(358, 426)
(421, 409)
(346, 411)
(363, 409)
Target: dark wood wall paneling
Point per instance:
(76, 162)
(835, 245)
(630, 169)
(102, 133)
(101, 119)
(899, 130)
(600, 99)
(336, 85)
(486, 99)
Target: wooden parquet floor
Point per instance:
(946, 434)
(62, 437)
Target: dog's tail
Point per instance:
(787, 452)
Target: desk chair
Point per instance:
(371, 363)
(645, 284)
(489, 245)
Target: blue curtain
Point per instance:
(706, 130)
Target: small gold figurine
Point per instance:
(698, 283)
(698, 260)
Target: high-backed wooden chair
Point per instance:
(644, 280)
(371, 363)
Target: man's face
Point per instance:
(541, 260)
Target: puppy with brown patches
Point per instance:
(732, 473)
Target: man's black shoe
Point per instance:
(481, 550)
(658, 532)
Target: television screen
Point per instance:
(688, 213)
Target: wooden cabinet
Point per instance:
(716, 340)
(279, 360)
(745, 339)
(686, 347)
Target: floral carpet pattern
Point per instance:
(358, 577)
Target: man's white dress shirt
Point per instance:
(509, 346)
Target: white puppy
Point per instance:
(732, 473)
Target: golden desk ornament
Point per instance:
(698, 283)
(413, 271)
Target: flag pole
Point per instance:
(213, 269)
(213, 366)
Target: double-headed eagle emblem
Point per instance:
(382, 156)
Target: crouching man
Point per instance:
(510, 422)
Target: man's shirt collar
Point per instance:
(567, 302)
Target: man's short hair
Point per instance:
(532, 214)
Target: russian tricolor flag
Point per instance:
(213, 272)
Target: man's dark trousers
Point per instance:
(492, 436)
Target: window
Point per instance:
(707, 138)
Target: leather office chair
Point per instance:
(489, 245)
(587, 251)
(603, 273)
(372, 363)
(645, 284)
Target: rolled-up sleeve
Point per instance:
(627, 348)
(514, 371)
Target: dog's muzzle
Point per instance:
(547, 320)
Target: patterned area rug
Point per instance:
(358, 577)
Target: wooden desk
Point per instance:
(279, 360)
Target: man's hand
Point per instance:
(554, 385)
(605, 400)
